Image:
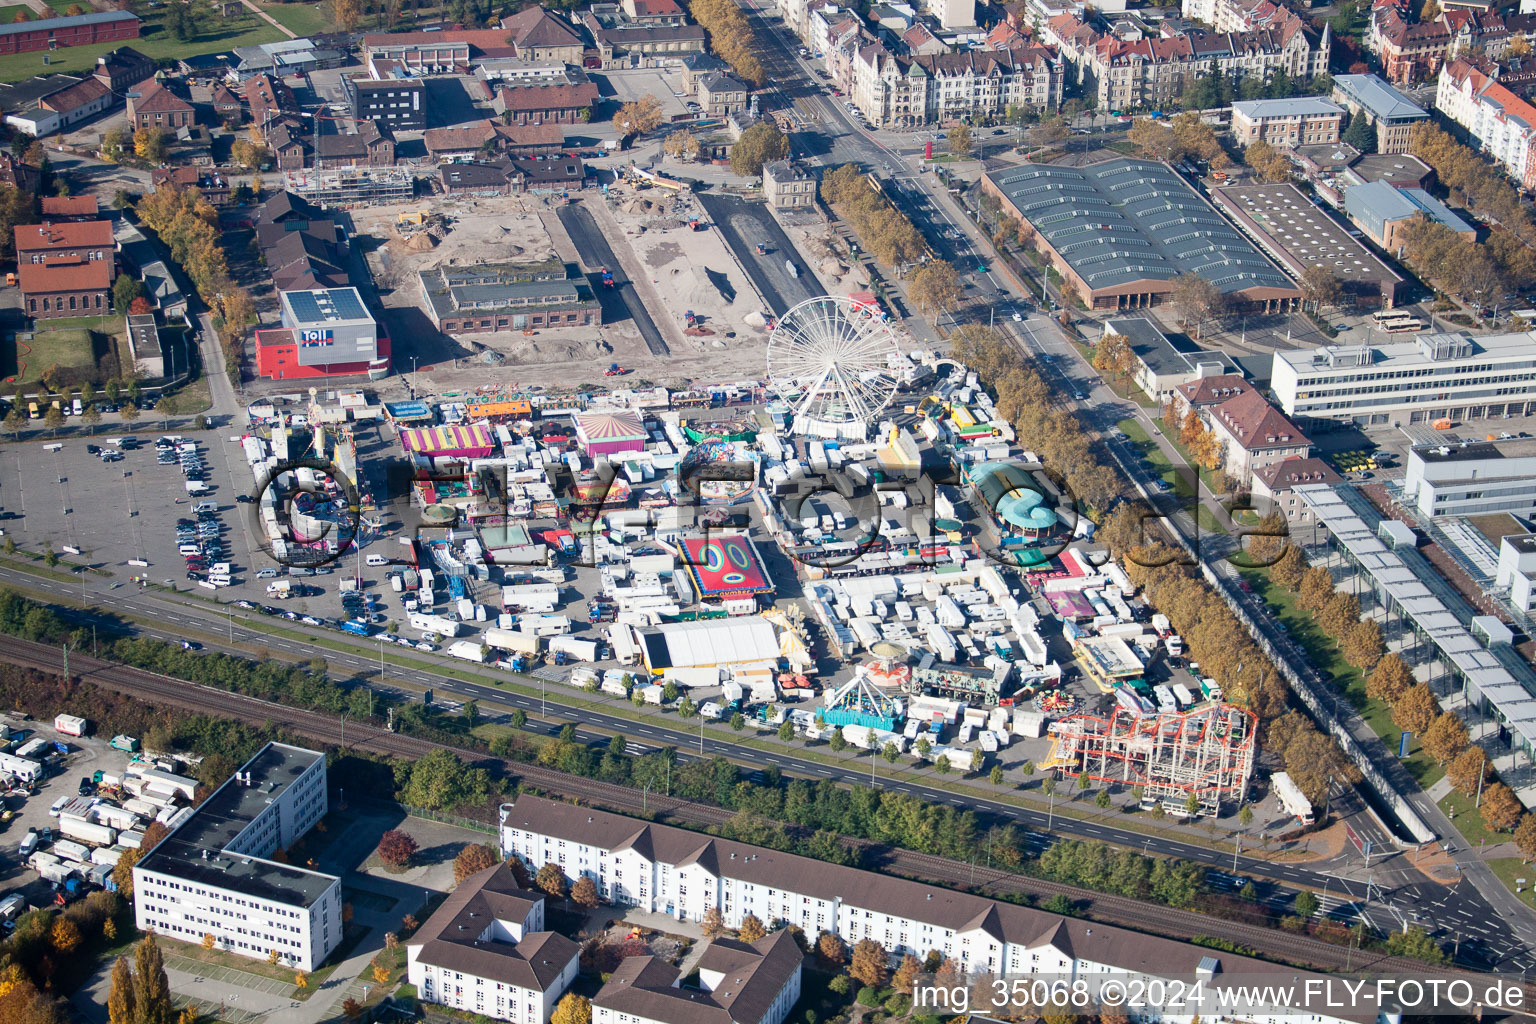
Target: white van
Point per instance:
(189, 549)
(376, 560)
(219, 579)
(220, 569)
(196, 487)
(206, 506)
(76, 408)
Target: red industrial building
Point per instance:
(57, 33)
(277, 358)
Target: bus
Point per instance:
(1386, 316)
(1403, 326)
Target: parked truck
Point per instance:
(87, 831)
(579, 650)
(468, 650)
(513, 640)
(125, 743)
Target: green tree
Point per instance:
(996, 775)
(738, 722)
(1360, 134)
(124, 290)
(151, 987)
(786, 730)
(1306, 904)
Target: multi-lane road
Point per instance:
(1486, 940)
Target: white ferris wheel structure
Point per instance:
(836, 362)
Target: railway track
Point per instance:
(1179, 924)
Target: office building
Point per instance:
(1427, 378)
(1472, 478)
(397, 102)
(213, 874)
(1517, 570)
(1298, 122)
(1392, 114)
(1161, 364)
(788, 185)
(667, 870)
(1121, 231)
(485, 951)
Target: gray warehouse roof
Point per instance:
(1377, 98)
(1122, 221)
(1377, 203)
(1161, 354)
(1305, 106)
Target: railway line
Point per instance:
(1173, 923)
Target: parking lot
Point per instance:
(86, 755)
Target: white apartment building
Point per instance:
(1502, 124)
(1431, 377)
(212, 874)
(739, 983)
(662, 869)
(485, 951)
(1473, 478)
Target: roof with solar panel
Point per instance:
(325, 306)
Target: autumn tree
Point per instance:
(1446, 738)
(907, 974)
(1415, 709)
(473, 858)
(343, 15)
(1525, 836)
(638, 116)
(396, 848)
(682, 145)
(150, 144)
(1320, 287)
(584, 893)
(253, 156)
(1389, 680)
(1468, 771)
(751, 929)
(1310, 757)
(936, 286)
(1363, 645)
(830, 950)
(120, 1004)
(572, 1009)
(1340, 613)
(64, 935)
(1112, 356)
(712, 924)
(1501, 808)
(869, 963)
(551, 879)
(1315, 590)
(151, 987)
(1198, 301)
(959, 139)
(760, 144)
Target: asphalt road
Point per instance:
(596, 254)
(1486, 940)
(743, 225)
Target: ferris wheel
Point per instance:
(835, 361)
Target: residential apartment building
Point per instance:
(721, 95)
(739, 983)
(663, 869)
(485, 951)
(1254, 435)
(1139, 69)
(1472, 478)
(1501, 124)
(788, 185)
(1392, 114)
(1273, 488)
(1413, 51)
(123, 68)
(213, 874)
(1431, 377)
(896, 91)
(1288, 123)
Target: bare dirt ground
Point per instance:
(682, 269)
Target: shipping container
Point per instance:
(513, 640)
(70, 725)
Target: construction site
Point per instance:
(1206, 753)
